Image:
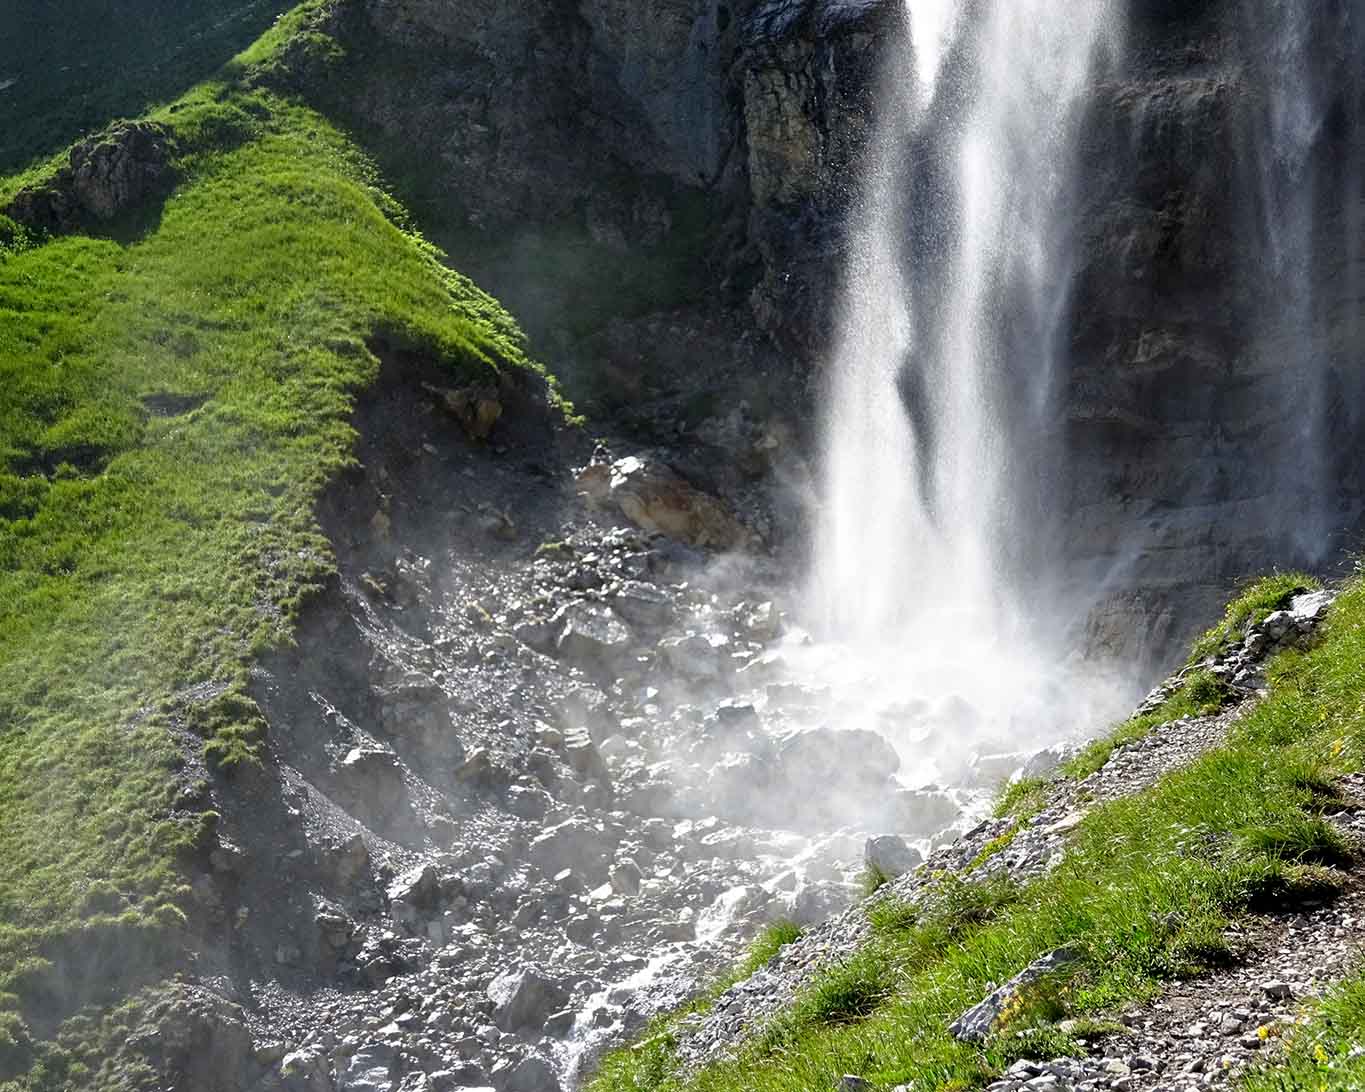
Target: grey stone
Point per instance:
(524, 999)
(645, 606)
(891, 855)
(976, 1024)
(696, 656)
(578, 843)
(306, 1071)
(419, 887)
(369, 1069)
(590, 635)
(531, 1074)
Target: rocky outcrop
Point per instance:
(106, 175)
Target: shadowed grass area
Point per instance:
(172, 406)
(76, 66)
(1146, 893)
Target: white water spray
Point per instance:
(933, 562)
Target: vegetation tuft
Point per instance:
(1253, 605)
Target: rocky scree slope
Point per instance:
(1226, 915)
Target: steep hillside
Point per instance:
(69, 69)
(180, 363)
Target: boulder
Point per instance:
(531, 1074)
(924, 811)
(584, 757)
(107, 174)
(978, 1022)
(417, 710)
(658, 500)
(645, 606)
(696, 656)
(369, 1069)
(891, 855)
(524, 999)
(418, 887)
(626, 878)
(578, 843)
(306, 1071)
(477, 409)
(373, 779)
(590, 635)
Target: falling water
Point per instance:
(1293, 116)
(932, 552)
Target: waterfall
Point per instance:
(934, 549)
(1291, 344)
(938, 460)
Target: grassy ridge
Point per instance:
(1147, 893)
(78, 65)
(173, 404)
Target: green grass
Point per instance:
(79, 65)
(1325, 1056)
(1200, 695)
(144, 553)
(1021, 799)
(1256, 602)
(1147, 893)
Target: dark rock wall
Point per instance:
(1211, 409)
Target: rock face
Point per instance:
(1202, 390)
(106, 175)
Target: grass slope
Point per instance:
(75, 66)
(173, 404)
(1147, 893)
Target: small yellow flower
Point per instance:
(1338, 745)
(1263, 1032)
(1320, 1053)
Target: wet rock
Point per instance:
(696, 656)
(658, 500)
(306, 1071)
(924, 811)
(532, 1074)
(976, 1024)
(369, 1069)
(524, 999)
(590, 635)
(891, 855)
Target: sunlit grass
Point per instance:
(143, 551)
